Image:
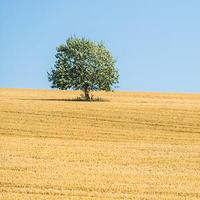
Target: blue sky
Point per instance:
(156, 43)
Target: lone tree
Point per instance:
(84, 65)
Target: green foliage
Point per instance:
(84, 65)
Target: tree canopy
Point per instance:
(84, 65)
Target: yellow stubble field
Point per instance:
(129, 146)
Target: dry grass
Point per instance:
(131, 146)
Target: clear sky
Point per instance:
(156, 43)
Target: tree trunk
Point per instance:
(87, 94)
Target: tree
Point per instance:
(84, 65)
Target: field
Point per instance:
(129, 146)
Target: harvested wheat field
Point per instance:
(129, 146)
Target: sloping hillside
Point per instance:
(129, 146)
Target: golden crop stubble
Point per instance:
(131, 146)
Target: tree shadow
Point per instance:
(78, 99)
